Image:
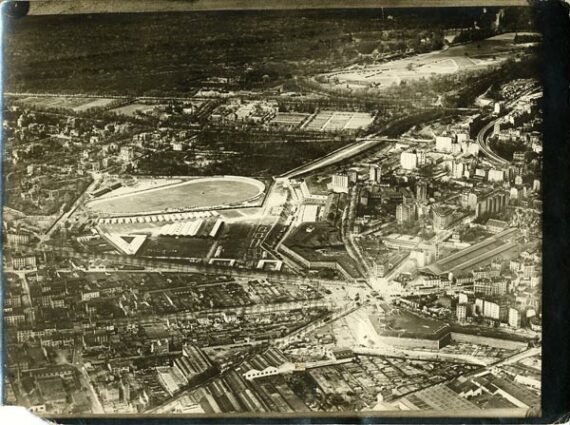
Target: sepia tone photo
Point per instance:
(215, 210)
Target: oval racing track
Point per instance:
(192, 194)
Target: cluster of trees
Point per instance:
(235, 152)
(401, 41)
(157, 54)
(527, 38)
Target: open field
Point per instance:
(236, 240)
(464, 57)
(75, 104)
(183, 247)
(132, 109)
(199, 193)
(289, 119)
(405, 324)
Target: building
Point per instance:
(485, 273)
(485, 203)
(528, 269)
(461, 312)
(340, 183)
(496, 226)
(436, 397)
(421, 191)
(489, 287)
(483, 287)
(421, 155)
(177, 146)
(23, 261)
(480, 173)
(352, 175)
(462, 298)
(535, 280)
(472, 148)
(401, 242)
(19, 238)
(364, 197)
(380, 268)
(442, 217)
(491, 310)
(443, 143)
(514, 318)
(314, 190)
(457, 169)
(409, 160)
(375, 173)
(160, 346)
(519, 158)
(193, 362)
(405, 213)
(495, 175)
(14, 316)
(462, 137)
(126, 154)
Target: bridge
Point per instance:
(482, 138)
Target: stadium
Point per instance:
(208, 193)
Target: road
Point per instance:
(338, 289)
(299, 333)
(96, 406)
(145, 265)
(63, 218)
(519, 356)
(482, 135)
(336, 156)
(348, 237)
(483, 145)
(420, 355)
(94, 96)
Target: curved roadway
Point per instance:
(483, 145)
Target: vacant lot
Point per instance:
(403, 323)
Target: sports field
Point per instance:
(468, 56)
(76, 104)
(338, 120)
(199, 193)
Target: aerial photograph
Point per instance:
(276, 213)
